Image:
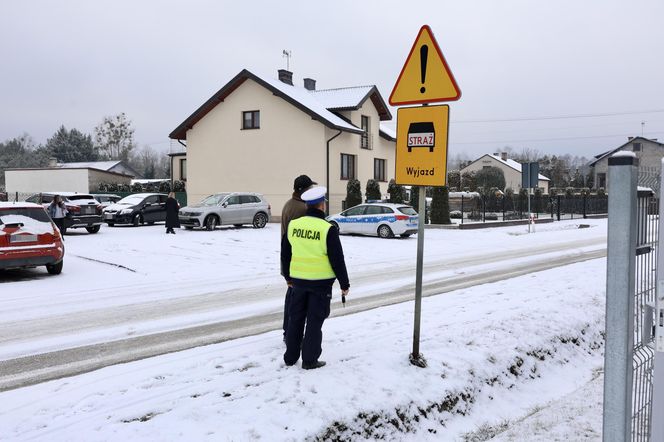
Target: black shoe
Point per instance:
(312, 365)
(289, 364)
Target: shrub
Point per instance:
(440, 205)
(601, 192)
(137, 187)
(353, 193)
(165, 186)
(396, 192)
(178, 186)
(456, 214)
(373, 190)
(124, 187)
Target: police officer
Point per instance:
(293, 209)
(312, 258)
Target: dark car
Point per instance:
(84, 210)
(106, 199)
(28, 238)
(137, 209)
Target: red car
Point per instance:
(28, 238)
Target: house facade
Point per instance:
(67, 177)
(511, 169)
(649, 153)
(258, 133)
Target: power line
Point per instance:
(553, 139)
(559, 117)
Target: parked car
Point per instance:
(236, 208)
(382, 219)
(28, 238)
(136, 209)
(84, 210)
(106, 199)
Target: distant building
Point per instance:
(511, 169)
(67, 177)
(257, 133)
(649, 153)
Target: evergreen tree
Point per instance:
(396, 192)
(373, 190)
(490, 177)
(353, 193)
(440, 206)
(21, 152)
(415, 200)
(71, 146)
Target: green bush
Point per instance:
(137, 187)
(353, 193)
(373, 190)
(396, 192)
(165, 186)
(440, 206)
(178, 186)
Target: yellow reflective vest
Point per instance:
(308, 238)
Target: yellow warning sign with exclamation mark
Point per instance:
(425, 77)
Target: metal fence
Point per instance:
(647, 225)
(491, 208)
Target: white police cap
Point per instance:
(314, 195)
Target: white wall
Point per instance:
(46, 180)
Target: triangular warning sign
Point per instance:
(425, 78)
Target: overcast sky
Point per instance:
(74, 62)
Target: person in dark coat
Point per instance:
(172, 209)
(293, 209)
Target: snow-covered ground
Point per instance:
(497, 352)
(125, 282)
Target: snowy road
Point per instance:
(91, 323)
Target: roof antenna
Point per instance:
(288, 55)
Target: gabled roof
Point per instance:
(610, 152)
(297, 96)
(352, 98)
(509, 163)
(387, 132)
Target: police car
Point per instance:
(382, 219)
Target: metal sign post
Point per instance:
(416, 357)
(421, 154)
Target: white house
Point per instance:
(67, 177)
(511, 169)
(258, 133)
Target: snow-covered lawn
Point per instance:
(496, 353)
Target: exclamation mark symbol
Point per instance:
(424, 53)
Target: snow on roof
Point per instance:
(341, 98)
(306, 99)
(388, 130)
(517, 166)
(18, 204)
(102, 165)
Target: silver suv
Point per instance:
(236, 208)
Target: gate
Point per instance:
(647, 224)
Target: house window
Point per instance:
(636, 147)
(364, 139)
(379, 169)
(251, 120)
(601, 180)
(347, 166)
(183, 170)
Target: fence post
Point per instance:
(657, 415)
(620, 291)
(461, 209)
(558, 207)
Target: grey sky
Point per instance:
(73, 62)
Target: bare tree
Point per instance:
(114, 137)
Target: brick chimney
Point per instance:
(503, 156)
(52, 162)
(286, 76)
(310, 84)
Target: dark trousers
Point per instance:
(60, 222)
(308, 307)
(289, 295)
